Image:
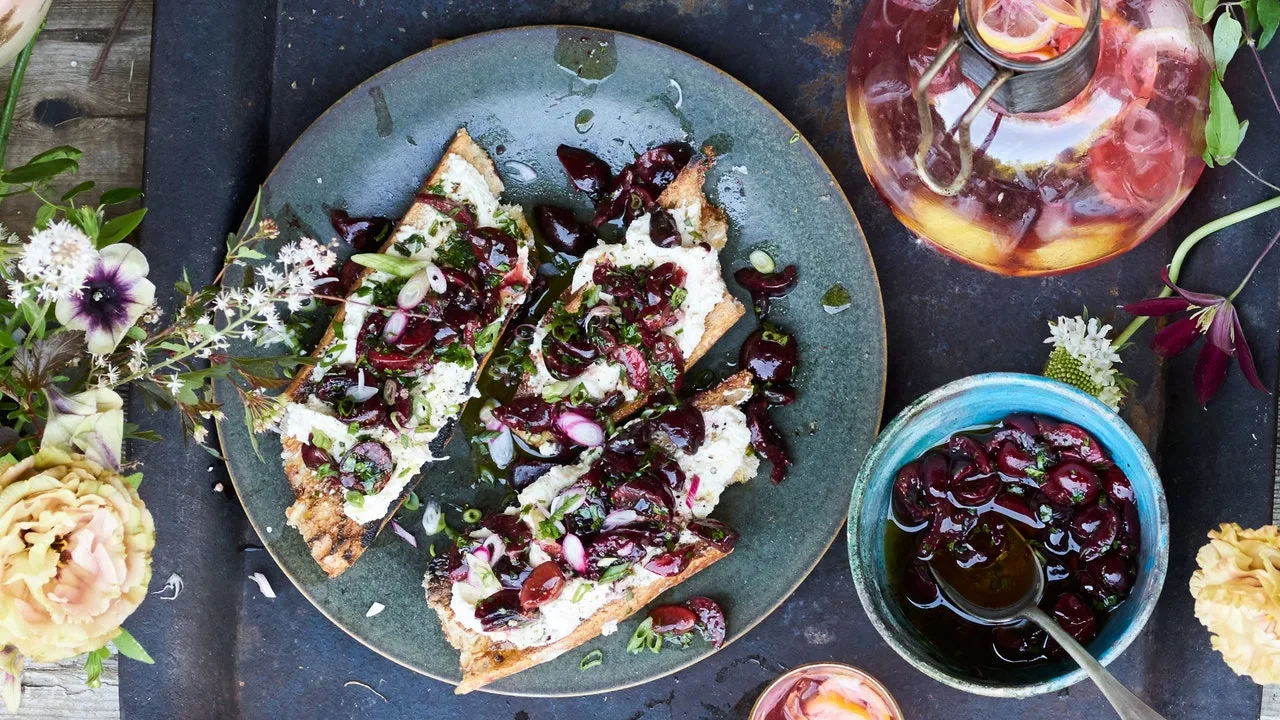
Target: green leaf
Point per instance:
(136, 333)
(57, 153)
(116, 196)
(119, 228)
(1226, 40)
(250, 254)
(44, 214)
(391, 264)
(86, 218)
(1204, 9)
(6, 340)
(127, 646)
(1223, 131)
(85, 186)
(1268, 17)
(93, 667)
(134, 480)
(38, 171)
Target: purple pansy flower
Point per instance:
(115, 294)
(1212, 316)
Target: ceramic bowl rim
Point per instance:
(1040, 386)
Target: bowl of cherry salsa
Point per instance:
(961, 471)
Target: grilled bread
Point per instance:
(387, 388)
(590, 603)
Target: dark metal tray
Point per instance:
(232, 86)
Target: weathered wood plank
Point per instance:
(106, 119)
(56, 691)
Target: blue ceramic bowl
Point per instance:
(979, 400)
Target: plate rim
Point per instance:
(879, 297)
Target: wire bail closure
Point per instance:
(1018, 86)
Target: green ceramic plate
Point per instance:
(521, 93)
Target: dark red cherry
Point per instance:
(586, 171)
(1117, 486)
(1066, 436)
(1076, 617)
(645, 495)
(494, 250)
(672, 619)
(1094, 529)
(364, 234)
(965, 446)
(369, 413)
(933, 472)
(770, 354)
(684, 426)
(543, 585)
(1108, 579)
(1017, 508)
(766, 439)
(501, 611)
(910, 505)
(662, 229)
(367, 466)
(717, 534)
(634, 364)
(919, 587)
(711, 623)
(313, 457)
(766, 286)
(459, 212)
(1013, 461)
(562, 232)
(1071, 483)
(1019, 643)
(668, 564)
(975, 490)
(528, 412)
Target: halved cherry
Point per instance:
(910, 505)
(672, 619)
(919, 587)
(1071, 483)
(544, 584)
(1017, 508)
(933, 472)
(668, 564)
(711, 623)
(1073, 437)
(975, 491)
(1013, 461)
(586, 171)
(1107, 580)
(501, 611)
(1095, 528)
(966, 446)
(1117, 486)
(1076, 617)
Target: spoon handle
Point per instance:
(1126, 704)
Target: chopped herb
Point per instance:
(456, 353)
(355, 498)
(471, 515)
(581, 591)
(644, 638)
(836, 299)
(614, 572)
(487, 337)
(412, 502)
(678, 297)
(591, 659)
(794, 139)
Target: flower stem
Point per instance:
(1256, 263)
(15, 87)
(1184, 248)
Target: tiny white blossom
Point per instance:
(59, 258)
(199, 433)
(1090, 358)
(174, 384)
(18, 293)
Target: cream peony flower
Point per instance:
(75, 554)
(1237, 592)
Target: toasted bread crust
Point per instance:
(334, 539)
(484, 660)
(686, 188)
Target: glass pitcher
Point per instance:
(1030, 137)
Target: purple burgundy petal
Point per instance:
(1195, 298)
(104, 302)
(1155, 307)
(1246, 358)
(1210, 372)
(1219, 334)
(1175, 337)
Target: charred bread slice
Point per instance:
(650, 353)
(387, 388)
(475, 607)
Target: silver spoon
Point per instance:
(1126, 704)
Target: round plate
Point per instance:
(521, 93)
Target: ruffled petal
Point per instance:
(128, 261)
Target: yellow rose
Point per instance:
(1237, 592)
(75, 554)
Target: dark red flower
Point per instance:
(1211, 316)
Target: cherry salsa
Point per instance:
(1047, 480)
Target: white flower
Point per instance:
(1084, 356)
(59, 258)
(200, 433)
(90, 422)
(175, 384)
(116, 294)
(18, 293)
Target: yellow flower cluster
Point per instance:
(1237, 592)
(75, 554)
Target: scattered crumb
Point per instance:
(263, 585)
(374, 609)
(218, 487)
(357, 683)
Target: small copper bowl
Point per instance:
(774, 693)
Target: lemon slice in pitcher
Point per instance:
(1014, 27)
